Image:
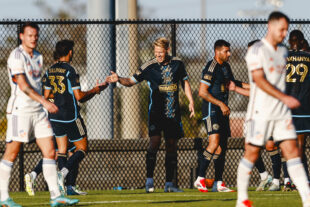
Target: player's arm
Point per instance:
(113, 78)
(29, 91)
(188, 93)
(206, 95)
(258, 77)
(83, 96)
(245, 91)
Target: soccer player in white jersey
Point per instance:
(26, 117)
(269, 111)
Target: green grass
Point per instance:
(137, 198)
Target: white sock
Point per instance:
(64, 172)
(200, 178)
(298, 175)
(5, 173)
(263, 175)
(276, 181)
(243, 177)
(287, 180)
(50, 174)
(219, 183)
(33, 175)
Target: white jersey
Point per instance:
(20, 62)
(262, 105)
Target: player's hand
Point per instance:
(113, 78)
(231, 86)
(50, 107)
(290, 102)
(191, 109)
(225, 109)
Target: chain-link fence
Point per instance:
(120, 113)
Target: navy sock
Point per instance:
(276, 163)
(77, 157)
(259, 164)
(285, 173)
(38, 167)
(150, 162)
(72, 175)
(204, 162)
(61, 160)
(219, 166)
(171, 164)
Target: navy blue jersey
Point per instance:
(163, 81)
(62, 79)
(217, 77)
(298, 80)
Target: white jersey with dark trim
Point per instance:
(20, 62)
(262, 105)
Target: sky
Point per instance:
(171, 9)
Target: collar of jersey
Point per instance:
(35, 53)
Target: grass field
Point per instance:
(136, 198)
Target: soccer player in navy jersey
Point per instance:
(216, 77)
(163, 74)
(298, 86)
(63, 82)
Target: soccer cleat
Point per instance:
(149, 185)
(61, 185)
(264, 183)
(287, 187)
(201, 185)
(169, 188)
(221, 187)
(73, 190)
(274, 187)
(293, 187)
(63, 201)
(245, 203)
(30, 183)
(9, 203)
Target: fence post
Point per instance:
(173, 51)
(173, 39)
(21, 150)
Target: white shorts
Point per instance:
(259, 131)
(24, 127)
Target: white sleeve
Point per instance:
(16, 63)
(254, 58)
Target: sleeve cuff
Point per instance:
(76, 87)
(205, 82)
(185, 78)
(133, 79)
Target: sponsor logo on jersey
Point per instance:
(168, 88)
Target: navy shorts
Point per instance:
(302, 124)
(172, 127)
(75, 130)
(216, 123)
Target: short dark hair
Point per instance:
(29, 24)
(276, 15)
(62, 48)
(252, 42)
(296, 34)
(221, 43)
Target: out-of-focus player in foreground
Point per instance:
(163, 74)
(26, 116)
(268, 111)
